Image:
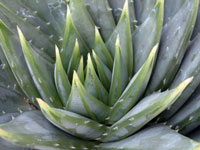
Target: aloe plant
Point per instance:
(99, 75)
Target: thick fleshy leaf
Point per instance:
(101, 50)
(80, 70)
(102, 15)
(30, 16)
(134, 90)
(41, 72)
(83, 21)
(72, 123)
(92, 83)
(153, 138)
(152, 26)
(13, 52)
(74, 60)
(83, 103)
(117, 7)
(104, 73)
(39, 39)
(61, 80)
(189, 67)
(7, 79)
(51, 12)
(70, 36)
(32, 130)
(175, 37)
(188, 117)
(5, 145)
(171, 8)
(147, 109)
(123, 30)
(11, 102)
(119, 76)
(143, 9)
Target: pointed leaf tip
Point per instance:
(185, 83)
(57, 51)
(154, 50)
(21, 35)
(117, 41)
(126, 6)
(41, 103)
(75, 76)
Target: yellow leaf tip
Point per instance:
(41, 102)
(125, 8)
(154, 49)
(118, 41)
(185, 83)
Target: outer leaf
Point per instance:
(123, 30)
(143, 9)
(39, 39)
(102, 16)
(101, 50)
(143, 112)
(134, 90)
(42, 73)
(93, 84)
(152, 26)
(103, 71)
(5, 145)
(70, 36)
(11, 102)
(6, 75)
(83, 21)
(32, 130)
(81, 102)
(30, 16)
(154, 138)
(6, 81)
(119, 76)
(171, 8)
(61, 80)
(175, 37)
(15, 58)
(117, 7)
(72, 123)
(188, 117)
(189, 67)
(51, 12)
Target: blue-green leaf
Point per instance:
(147, 109)
(72, 123)
(69, 39)
(92, 83)
(124, 31)
(119, 76)
(83, 103)
(175, 38)
(41, 72)
(32, 130)
(134, 89)
(153, 138)
(13, 53)
(152, 26)
(102, 15)
(61, 79)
